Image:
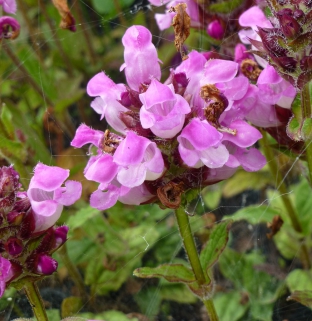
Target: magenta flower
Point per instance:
(163, 111)
(9, 6)
(141, 60)
(139, 159)
(200, 144)
(47, 196)
(6, 273)
(9, 28)
(45, 264)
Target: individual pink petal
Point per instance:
(46, 265)
(48, 178)
(215, 156)
(99, 84)
(9, 6)
(69, 194)
(246, 135)
(86, 135)
(102, 169)
(131, 150)
(218, 70)
(133, 175)
(103, 200)
(164, 20)
(251, 160)
(136, 195)
(254, 17)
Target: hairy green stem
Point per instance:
(191, 251)
(281, 187)
(307, 113)
(35, 301)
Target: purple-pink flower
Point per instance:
(47, 196)
(6, 273)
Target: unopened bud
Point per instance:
(289, 25)
(215, 30)
(60, 235)
(14, 246)
(45, 265)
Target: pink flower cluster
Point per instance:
(27, 219)
(190, 130)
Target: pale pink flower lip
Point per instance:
(47, 196)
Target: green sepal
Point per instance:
(215, 245)
(171, 272)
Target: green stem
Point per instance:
(191, 251)
(35, 301)
(307, 113)
(281, 187)
(72, 269)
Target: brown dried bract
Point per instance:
(250, 69)
(68, 21)
(181, 24)
(275, 226)
(209, 92)
(110, 142)
(170, 194)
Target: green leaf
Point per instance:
(295, 123)
(299, 280)
(6, 118)
(178, 293)
(71, 306)
(53, 315)
(216, 244)
(303, 203)
(242, 181)
(307, 129)
(225, 6)
(303, 297)
(255, 214)
(80, 218)
(12, 149)
(212, 195)
(229, 307)
(170, 272)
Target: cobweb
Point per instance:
(107, 32)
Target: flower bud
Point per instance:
(15, 218)
(9, 184)
(298, 14)
(14, 246)
(270, 38)
(306, 63)
(289, 64)
(289, 25)
(215, 30)
(60, 234)
(45, 264)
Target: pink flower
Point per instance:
(9, 6)
(6, 273)
(163, 111)
(141, 60)
(47, 196)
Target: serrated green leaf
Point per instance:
(170, 272)
(299, 280)
(229, 306)
(255, 214)
(216, 244)
(303, 297)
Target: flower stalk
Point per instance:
(281, 187)
(191, 251)
(35, 301)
